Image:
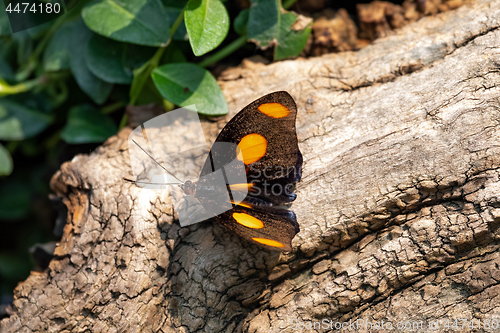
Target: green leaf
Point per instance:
(207, 24)
(6, 164)
(113, 61)
(57, 54)
(18, 122)
(263, 22)
(241, 21)
(186, 84)
(290, 41)
(267, 26)
(94, 87)
(143, 22)
(87, 125)
(36, 101)
(15, 199)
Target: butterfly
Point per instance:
(263, 143)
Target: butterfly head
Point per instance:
(188, 187)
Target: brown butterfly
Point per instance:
(265, 144)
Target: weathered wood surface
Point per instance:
(399, 207)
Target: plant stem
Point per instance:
(233, 46)
(123, 122)
(113, 107)
(7, 89)
(142, 74)
(175, 26)
(155, 60)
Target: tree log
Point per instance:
(399, 205)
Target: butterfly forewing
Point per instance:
(266, 140)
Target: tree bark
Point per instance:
(399, 205)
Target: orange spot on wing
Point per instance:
(248, 221)
(268, 242)
(241, 204)
(251, 148)
(241, 187)
(274, 110)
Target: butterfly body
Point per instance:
(263, 141)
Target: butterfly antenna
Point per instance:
(151, 157)
(148, 183)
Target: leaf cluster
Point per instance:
(126, 52)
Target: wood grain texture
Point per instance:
(399, 206)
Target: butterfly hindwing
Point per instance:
(270, 227)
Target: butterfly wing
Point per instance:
(264, 138)
(271, 227)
